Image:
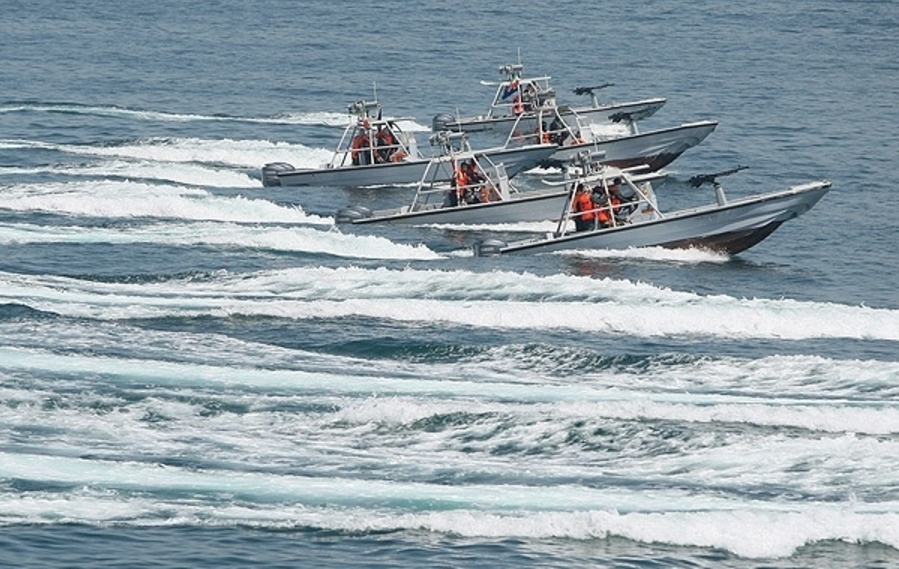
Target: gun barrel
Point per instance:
(586, 90)
(701, 179)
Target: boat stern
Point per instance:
(271, 173)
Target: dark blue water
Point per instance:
(199, 371)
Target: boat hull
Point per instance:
(388, 174)
(527, 206)
(408, 172)
(654, 149)
(729, 228)
(611, 113)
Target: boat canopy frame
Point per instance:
(365, 128)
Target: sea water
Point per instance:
(199, 371)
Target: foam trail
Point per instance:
(605, 395)
(744, 531)
(261, 237)
(492, 300)
(689, 256)
(179, 173)
(747, 528)
(296, 239)
(800, 378)
(314, 118)
(240, 153)
(307, 118)
(350, 492)
(234, 153)
(127, 199)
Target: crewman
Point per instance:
(606, 201)
(583, 209)
(387, 144)
(456, 194)
(361, 145)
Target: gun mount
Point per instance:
(590, 91)
(700, 179)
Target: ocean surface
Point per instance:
(196, 371)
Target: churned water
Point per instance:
(197, 371)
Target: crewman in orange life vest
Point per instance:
(583, 209)
(361, 145)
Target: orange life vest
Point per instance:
(583, 205)
(359, 142)
(603, 215)
(461, 179)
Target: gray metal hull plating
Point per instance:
(656, 148)
(409, 172)
(530, 206)
(388, 174)
(731, 228)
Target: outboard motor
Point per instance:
(488, 248)
(270, 173)
(442, 122)
(352, 213)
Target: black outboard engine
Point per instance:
(488, 248)
(270, 173)
(443, 121)
(352, 213)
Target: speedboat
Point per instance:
(625, 215)
(376, 151)
(516, 96)
(464, 187)
(622, 145)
